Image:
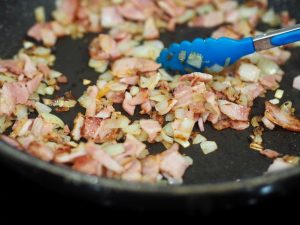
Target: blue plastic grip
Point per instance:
(286, 38)
(205, 54)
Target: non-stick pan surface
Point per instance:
(234, 170)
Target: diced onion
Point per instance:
(208, 147)
(50, 118)
(199, 139)
(42, 108)
(113, 149)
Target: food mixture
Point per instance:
(109, 143)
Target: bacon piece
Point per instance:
(127, 106)
(11, 141)
(150, 29)
(131, 66)
(66, 11)
(183, 95)
(29, 68)
(270, 82)
(173, 163)
(133, 173)
(169, 7)
(140, 98)
(150, 168)
(110, 17)
(208, 20)
(212, 106)
(40, 150)
(92, 92)
(133, 80)
(103, 158)
(90, 127)
(104, 47)
(234, 111)
(131, 12)
(133, 146)
(197, 77)
(87, 165)
(281, 118)
(13, 66)
(151, 127)
(271, 154)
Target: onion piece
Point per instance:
(296, 83)
(50, 118)
(199, 139)
(249, 72)
(42, 108)
(208, 147)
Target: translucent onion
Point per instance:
(50, 118)
(208, 147)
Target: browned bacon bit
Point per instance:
(271, 154)
(281, 118)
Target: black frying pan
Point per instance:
(210, 183)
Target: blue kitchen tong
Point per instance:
(212, 55)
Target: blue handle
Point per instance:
(286, 38)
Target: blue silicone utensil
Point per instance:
(213, 55)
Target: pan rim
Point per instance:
(78, 178)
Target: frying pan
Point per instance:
(229, 177)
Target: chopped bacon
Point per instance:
(140, 98)
(104, 47)
(271, 154)
(212, 106)
(134, 172)
(133, 146)
(239, 125)
(197, 77)
(106, 112)
(110, 17)
(151, 127)
(200, 124)
(13, 66)
(29, 68)
(40, 150)
(90, 127)
(78, 124)
(150, 29)
(183, 95)
(44, 69)
(103, 158)
(269, 82)
(131, 66)
(133, 80)
(146, 107)
(171, 8)
(87, 165)
(234, 111)
(131, 12)
(92, 92)
(127, 106)
(11, 141)
(115, 96)
(150, 168)
(33, 84)
(173, 163)
(67, 10)
(281, 118)
(211, 19)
